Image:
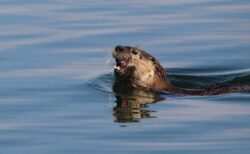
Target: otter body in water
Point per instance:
(139, 69)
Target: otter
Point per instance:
(139, 69)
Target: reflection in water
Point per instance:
(132, 103)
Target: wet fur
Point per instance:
(144, 71)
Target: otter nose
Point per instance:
(119, 48)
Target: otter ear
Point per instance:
(152, 59)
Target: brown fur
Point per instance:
(144, 71)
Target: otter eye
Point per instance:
(134, 52)
(153, 60)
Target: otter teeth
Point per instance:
(117, 67)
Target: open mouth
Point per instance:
(121, 65)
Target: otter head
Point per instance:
(138, 68)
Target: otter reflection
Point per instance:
(131, 103)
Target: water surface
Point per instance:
(56, 91)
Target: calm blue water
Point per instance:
(56, 91)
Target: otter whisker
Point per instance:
(108, 62)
